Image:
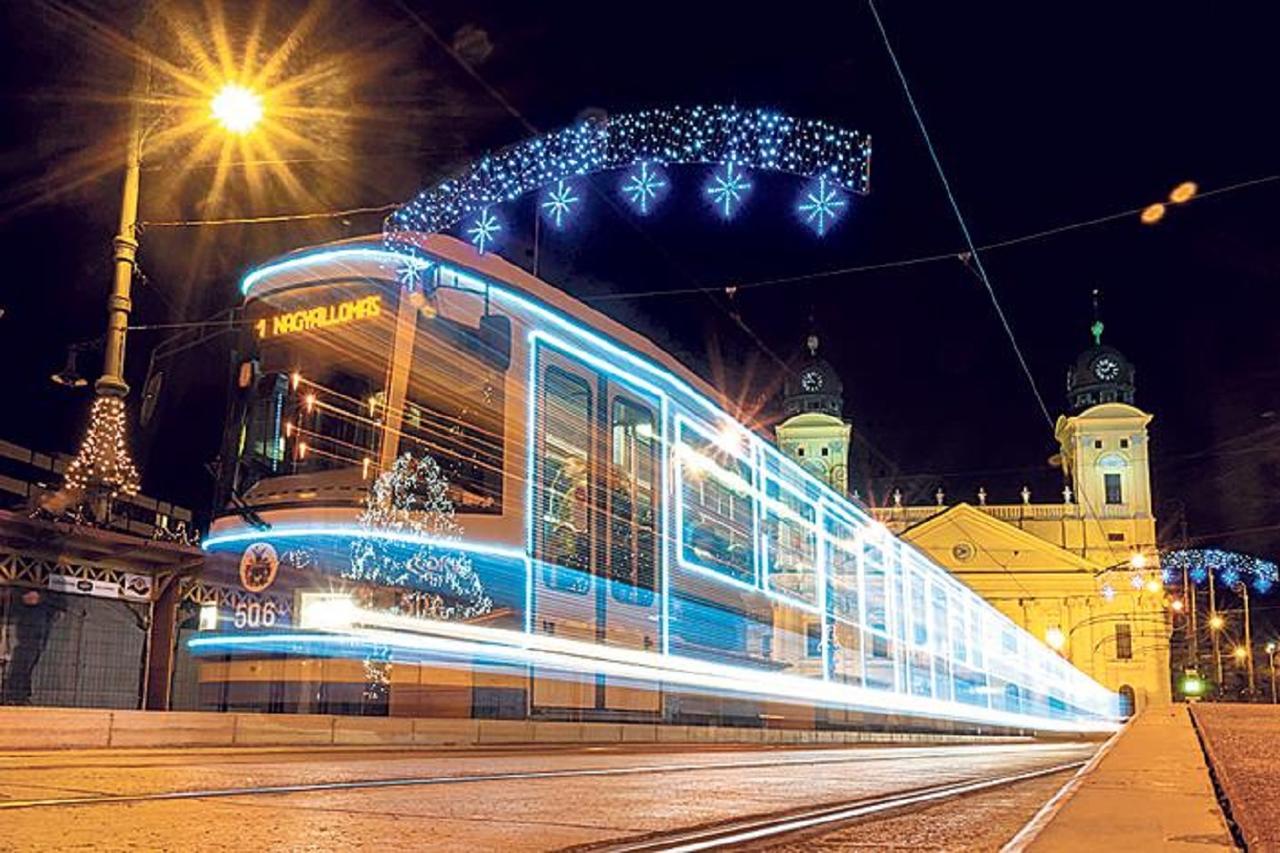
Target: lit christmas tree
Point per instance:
(410, 522)
(103, 465)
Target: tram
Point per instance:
(451, 489)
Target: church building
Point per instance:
(1081, 573)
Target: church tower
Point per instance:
(814, 434)
(1105, 450)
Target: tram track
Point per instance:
(445, 779)
(773, 828)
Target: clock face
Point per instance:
(1106, 368)
(811, 380)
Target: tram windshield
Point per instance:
(345, 380)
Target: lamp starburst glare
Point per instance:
(237, 108)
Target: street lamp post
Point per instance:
(1248, 637)
(103, 468)
(1271, 659)
(1215, 625)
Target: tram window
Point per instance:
(792, 538)
(631, 491)
(876, 591)
(842, 573)
(338, 368)
(453, 411)
(919, 615)
(564, 505)
(718, 508)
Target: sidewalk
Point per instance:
(1150, 791)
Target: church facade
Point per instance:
(1081, 573)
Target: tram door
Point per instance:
(596, 499)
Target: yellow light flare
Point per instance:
(1240, 652)
(1152, 213)
(1216, 622)
(237, 108)
(1183, 192)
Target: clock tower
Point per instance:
(1105, 452)
(814, 433)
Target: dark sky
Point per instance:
(1043, 115)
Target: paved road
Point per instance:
(510, 799)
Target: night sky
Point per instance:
(1043, 116)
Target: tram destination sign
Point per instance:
(320, 317)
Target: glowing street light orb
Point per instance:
(1240, 652)
(1138, 560)
(1154, 585)
(1152, 213)
(237, 108)
(1216, 622)
(1055, 639)
(1176, 605)
(1184, 191)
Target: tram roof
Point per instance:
(459, 254)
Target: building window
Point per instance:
(825, 451)
(1112, 484)
(1097, 443)
(799, 451)
(1124, 641)
(1124, 444)
(1115, 537)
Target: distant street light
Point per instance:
(1271, 659)
(1240, 653)
(1216, 622)
(1183, 192)
(1152, 213)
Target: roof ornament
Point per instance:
(939, 496)
(1097, 327)
(812, 344)
(982, 496)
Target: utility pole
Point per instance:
(1248, 638)
(1214, 618)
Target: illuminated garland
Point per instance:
(1231, 567)
(103, 464)
(412, 498)
(761, 139)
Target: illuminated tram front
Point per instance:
(463, 493)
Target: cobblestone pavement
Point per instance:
(1243, 743)
(524, 799)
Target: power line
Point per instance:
(282, 217)
(955, 207)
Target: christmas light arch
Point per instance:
(1230, 567)
(835, 160)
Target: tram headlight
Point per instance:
(326, 611)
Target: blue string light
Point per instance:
(644, 186)
(484, 230)
(753, 139)
(727, 188)
(1231, 567)
(821, 205)
(558, 202)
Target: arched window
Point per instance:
(1128, 701)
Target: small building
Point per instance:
(1080, 573)
(89, 612)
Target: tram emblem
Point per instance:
(258, 566)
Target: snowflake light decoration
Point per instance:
(559, 202)
(1108, 592)
(484, 230)
(758, 139)
(727, 188)
(1231, 567)
(643, 186)
(409, 274)
(821, 205)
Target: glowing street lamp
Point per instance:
(1271, 659)
(1216, 622)
(103, 467)
(1240, 653)
(237, 108)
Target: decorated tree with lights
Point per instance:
(408, 523)
(103, 468)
